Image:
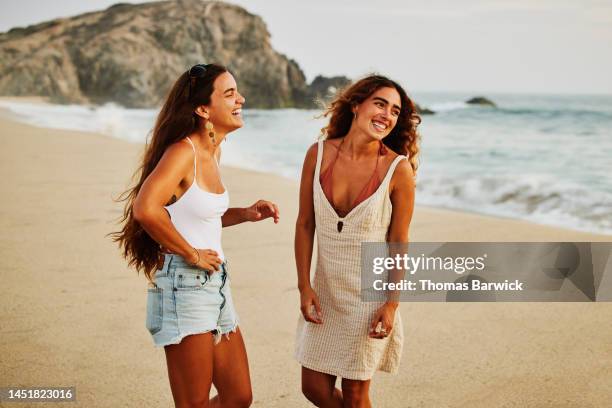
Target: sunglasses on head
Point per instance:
(195, 72)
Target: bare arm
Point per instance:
(305, 223)
(233, 216)
(156, 191)
(304, 238)
(402, 199)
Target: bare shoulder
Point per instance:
(403, 172)
(311, 154)
(180, 148)
(178, 155)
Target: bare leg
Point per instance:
(190, 370)
(356, 393)
(231, 373)
(320, 389)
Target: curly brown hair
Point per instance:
(403, 139)
(175, 121)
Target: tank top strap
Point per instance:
(319, 159)
(195, 156)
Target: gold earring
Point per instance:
(211, 133)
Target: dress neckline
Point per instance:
(328, 174)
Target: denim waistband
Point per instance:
(178, 261)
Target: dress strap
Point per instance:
(194, 158)
(391, 170)
(319, 159)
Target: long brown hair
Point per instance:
(176, 120)
(403, 139)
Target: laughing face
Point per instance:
(226, 102)
(377, 115)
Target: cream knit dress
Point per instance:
(341, 346)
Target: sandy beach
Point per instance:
(73, 313)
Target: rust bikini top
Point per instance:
(370, 188)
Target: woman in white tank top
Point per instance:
(172, 231)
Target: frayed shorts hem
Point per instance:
(217, 333)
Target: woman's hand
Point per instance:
(309, 301)
(261, 210)
(382, 322)
(205, 259)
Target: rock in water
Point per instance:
(132, 53)
(324, 89)
(481, 100)
(424, 111)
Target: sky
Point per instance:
(517, 46)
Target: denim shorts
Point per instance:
(187, 300)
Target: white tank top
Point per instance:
(197, 214)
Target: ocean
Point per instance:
(542, 158)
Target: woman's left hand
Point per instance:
(261, 210)
(383, 320)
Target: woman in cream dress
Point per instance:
(357, 186)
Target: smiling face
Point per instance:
(225, 108)
(377, 115)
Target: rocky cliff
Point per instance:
(132, 53)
